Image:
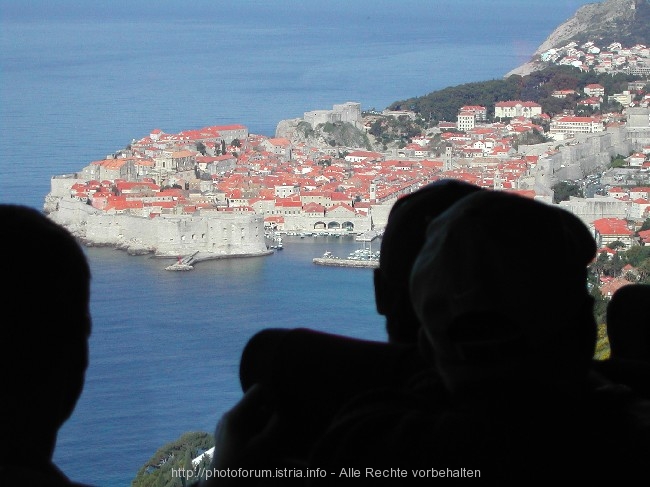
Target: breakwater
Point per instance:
(333, 261)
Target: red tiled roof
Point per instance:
(612, 226)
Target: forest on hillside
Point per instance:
(443, 105)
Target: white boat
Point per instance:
(179, 266)
(363, 254)
(277, 243)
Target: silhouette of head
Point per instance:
(628, 326)
(46, 328)
(402, 240)
(500, 287)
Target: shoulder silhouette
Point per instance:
(45, 335)
(628, 323)
(628, 331)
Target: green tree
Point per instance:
(531, 138)
(598, 266)
(187, 463)
(617, 161)
(645, 225)
(615, 245)
(564, 190)
(600, 303)
(614, 266)
(177, 454)
(644, 272)
(636, 255)
(376, 128)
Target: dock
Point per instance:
(370, 263)
(183, 264)
(369, 236)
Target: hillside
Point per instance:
(624, 21)
(537, 86)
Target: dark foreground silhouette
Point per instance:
(628, 330)
(511, 394)
(45, 332)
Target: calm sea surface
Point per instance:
(79, 81)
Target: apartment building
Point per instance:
(594, 89)
(568, 125)
(480, 112)
(517, 108)
(466, 121)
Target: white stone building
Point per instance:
(517, 108)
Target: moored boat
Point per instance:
(353, 260)
(179, 266)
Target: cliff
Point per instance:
(328, 135)
(624, 21)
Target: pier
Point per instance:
(369, 236)
(183, 264)
(372, 264)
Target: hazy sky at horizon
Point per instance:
(329, 9)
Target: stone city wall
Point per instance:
(587, 154)
(218, 234)
(591, 209)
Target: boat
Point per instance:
(179, 266)
(277, 243)
(355, 259)
(364, 254)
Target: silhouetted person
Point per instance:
(628, 323)
(488, 256)
(45, 331)
(404, 236)
(511, 328)
(628, 330)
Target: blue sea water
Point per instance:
(79, 80)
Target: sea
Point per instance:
(80, 80)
